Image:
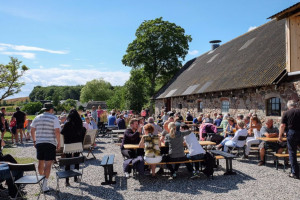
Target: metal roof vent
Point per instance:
(215, 44)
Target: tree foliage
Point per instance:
(136, 90)
(159, 48)
(32, 107)
(96, 90)
(117, 100)
(55, 93)
(10, 75)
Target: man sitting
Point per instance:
(157, 128)
(268, 131)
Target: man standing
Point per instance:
(290, 120)
(94, 113)
(2, 122)
(112, 120)
(45, 132)
(20, 118)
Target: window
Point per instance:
(180, 106)
(200, 106)
(273, 107)
(225, 106)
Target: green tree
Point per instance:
(32, 107)
(117, 100)
(136, 90)
(10, 75)
(97, 90)
(69, 104)
(55, 99)
(159, 48)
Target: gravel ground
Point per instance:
(250, 182)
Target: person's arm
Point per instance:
(32, 130)
(271, 135)
(141, 144)
(57, 135)
(2, 143)
(281, 132)
(185, 132)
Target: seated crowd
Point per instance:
(163, 142)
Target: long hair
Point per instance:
(172, 128)
(74, 119)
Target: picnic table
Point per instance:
(136, 146)
(267, 139)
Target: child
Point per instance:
(13, 130)
(27, 134)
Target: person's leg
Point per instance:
(21, 135)
(47, 169)
(153, 169)
(67, 167)
(262, 154)
(128, 153)
(229, 143)
(292, 146)
(249, 143)
(41, 167)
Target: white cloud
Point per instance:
(58, 76)
(65, 65)
(252, 28)
(194, 52)
(29, 48)
(23, 54)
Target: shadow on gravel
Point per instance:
(100, 191)
(182, 184)
(67, 195)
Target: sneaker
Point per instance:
(126, 174)
(195, 175)
(261, 163)
(46, 189)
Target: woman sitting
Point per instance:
(151, 143)
(73, 133)
(230, 128)
(255, 126)
(234, 142)
(176, 152)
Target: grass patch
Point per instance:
(27, 116)
(25, 160)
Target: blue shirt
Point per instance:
(111, 120)
(218, 122)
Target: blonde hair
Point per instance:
(241, 123)
(172, 128)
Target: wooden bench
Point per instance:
(283, 155)
(107, 163)
(228, 157)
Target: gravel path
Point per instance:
(251, 181)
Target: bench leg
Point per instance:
(276, 163)
(111, 173)
(105, 175)
(229, 167)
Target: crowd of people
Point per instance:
(160, 140)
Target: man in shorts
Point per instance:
(20, 117)
(45, 132)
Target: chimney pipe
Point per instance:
(215, 44)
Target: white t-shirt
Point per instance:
(240, 132)
(256, 133)
(193, 145)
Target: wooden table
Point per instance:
(119, 131)
(266, 139)
(136, 146)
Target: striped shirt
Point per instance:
(45, 125)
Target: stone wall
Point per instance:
(240, 101)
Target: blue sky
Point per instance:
(71, 42)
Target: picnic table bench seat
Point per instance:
(107, 163)
(228, 157)
(283, 155)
